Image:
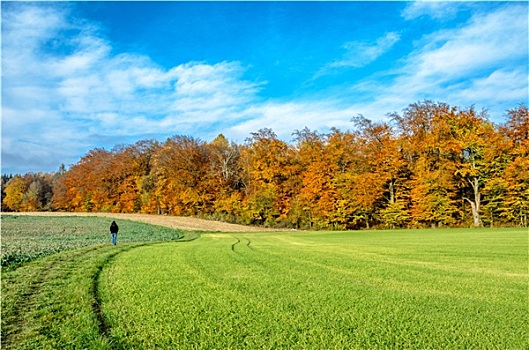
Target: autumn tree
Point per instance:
(425, 138)
(224, 178)
(4, 180)
(434, 165)
(180, 167)
(107, 181)
(316, 197)
(384, 170)
(142, 156)
(472, 135)
(346, 159)
(131, 168)
(15, 190)
(515, 206)
(85, 186)
(29, 192)
(267, 172)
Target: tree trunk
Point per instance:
(475, 213)
(476, 203)
(392, 191)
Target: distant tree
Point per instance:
(146, 202)
(224, 178)
(317, 196)
(15, 190)
(472, 134)
(89, 185)
(4, 180)
(29, 192)
(434, 165)
(342, 152)
(180, 168)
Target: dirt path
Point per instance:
(178, 222)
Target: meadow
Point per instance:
(417, 289)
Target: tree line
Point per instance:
(433, 165)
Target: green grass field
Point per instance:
(438, 289)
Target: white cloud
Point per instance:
(210, 88)
(90, 51)
(511, 83)
(488, 40)
(286, 117)
(466, 65)
(439, 10)
(66, 93)
(359, 54)
(36, 141)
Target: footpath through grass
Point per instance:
(439, 289)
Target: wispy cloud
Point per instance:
(438, 10)
(287, 117)
(359, 54)
(489, 40)
(500, 85)
(214, 90)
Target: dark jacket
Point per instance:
(114, 227)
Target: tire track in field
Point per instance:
(248, 244)
(253, 256)
(102, 323)
(239, 241)
(234, 244)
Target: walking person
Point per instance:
(114, 232)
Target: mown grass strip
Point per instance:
(53, 302)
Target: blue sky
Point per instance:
(81, 75)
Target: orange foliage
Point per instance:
(436, 165)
